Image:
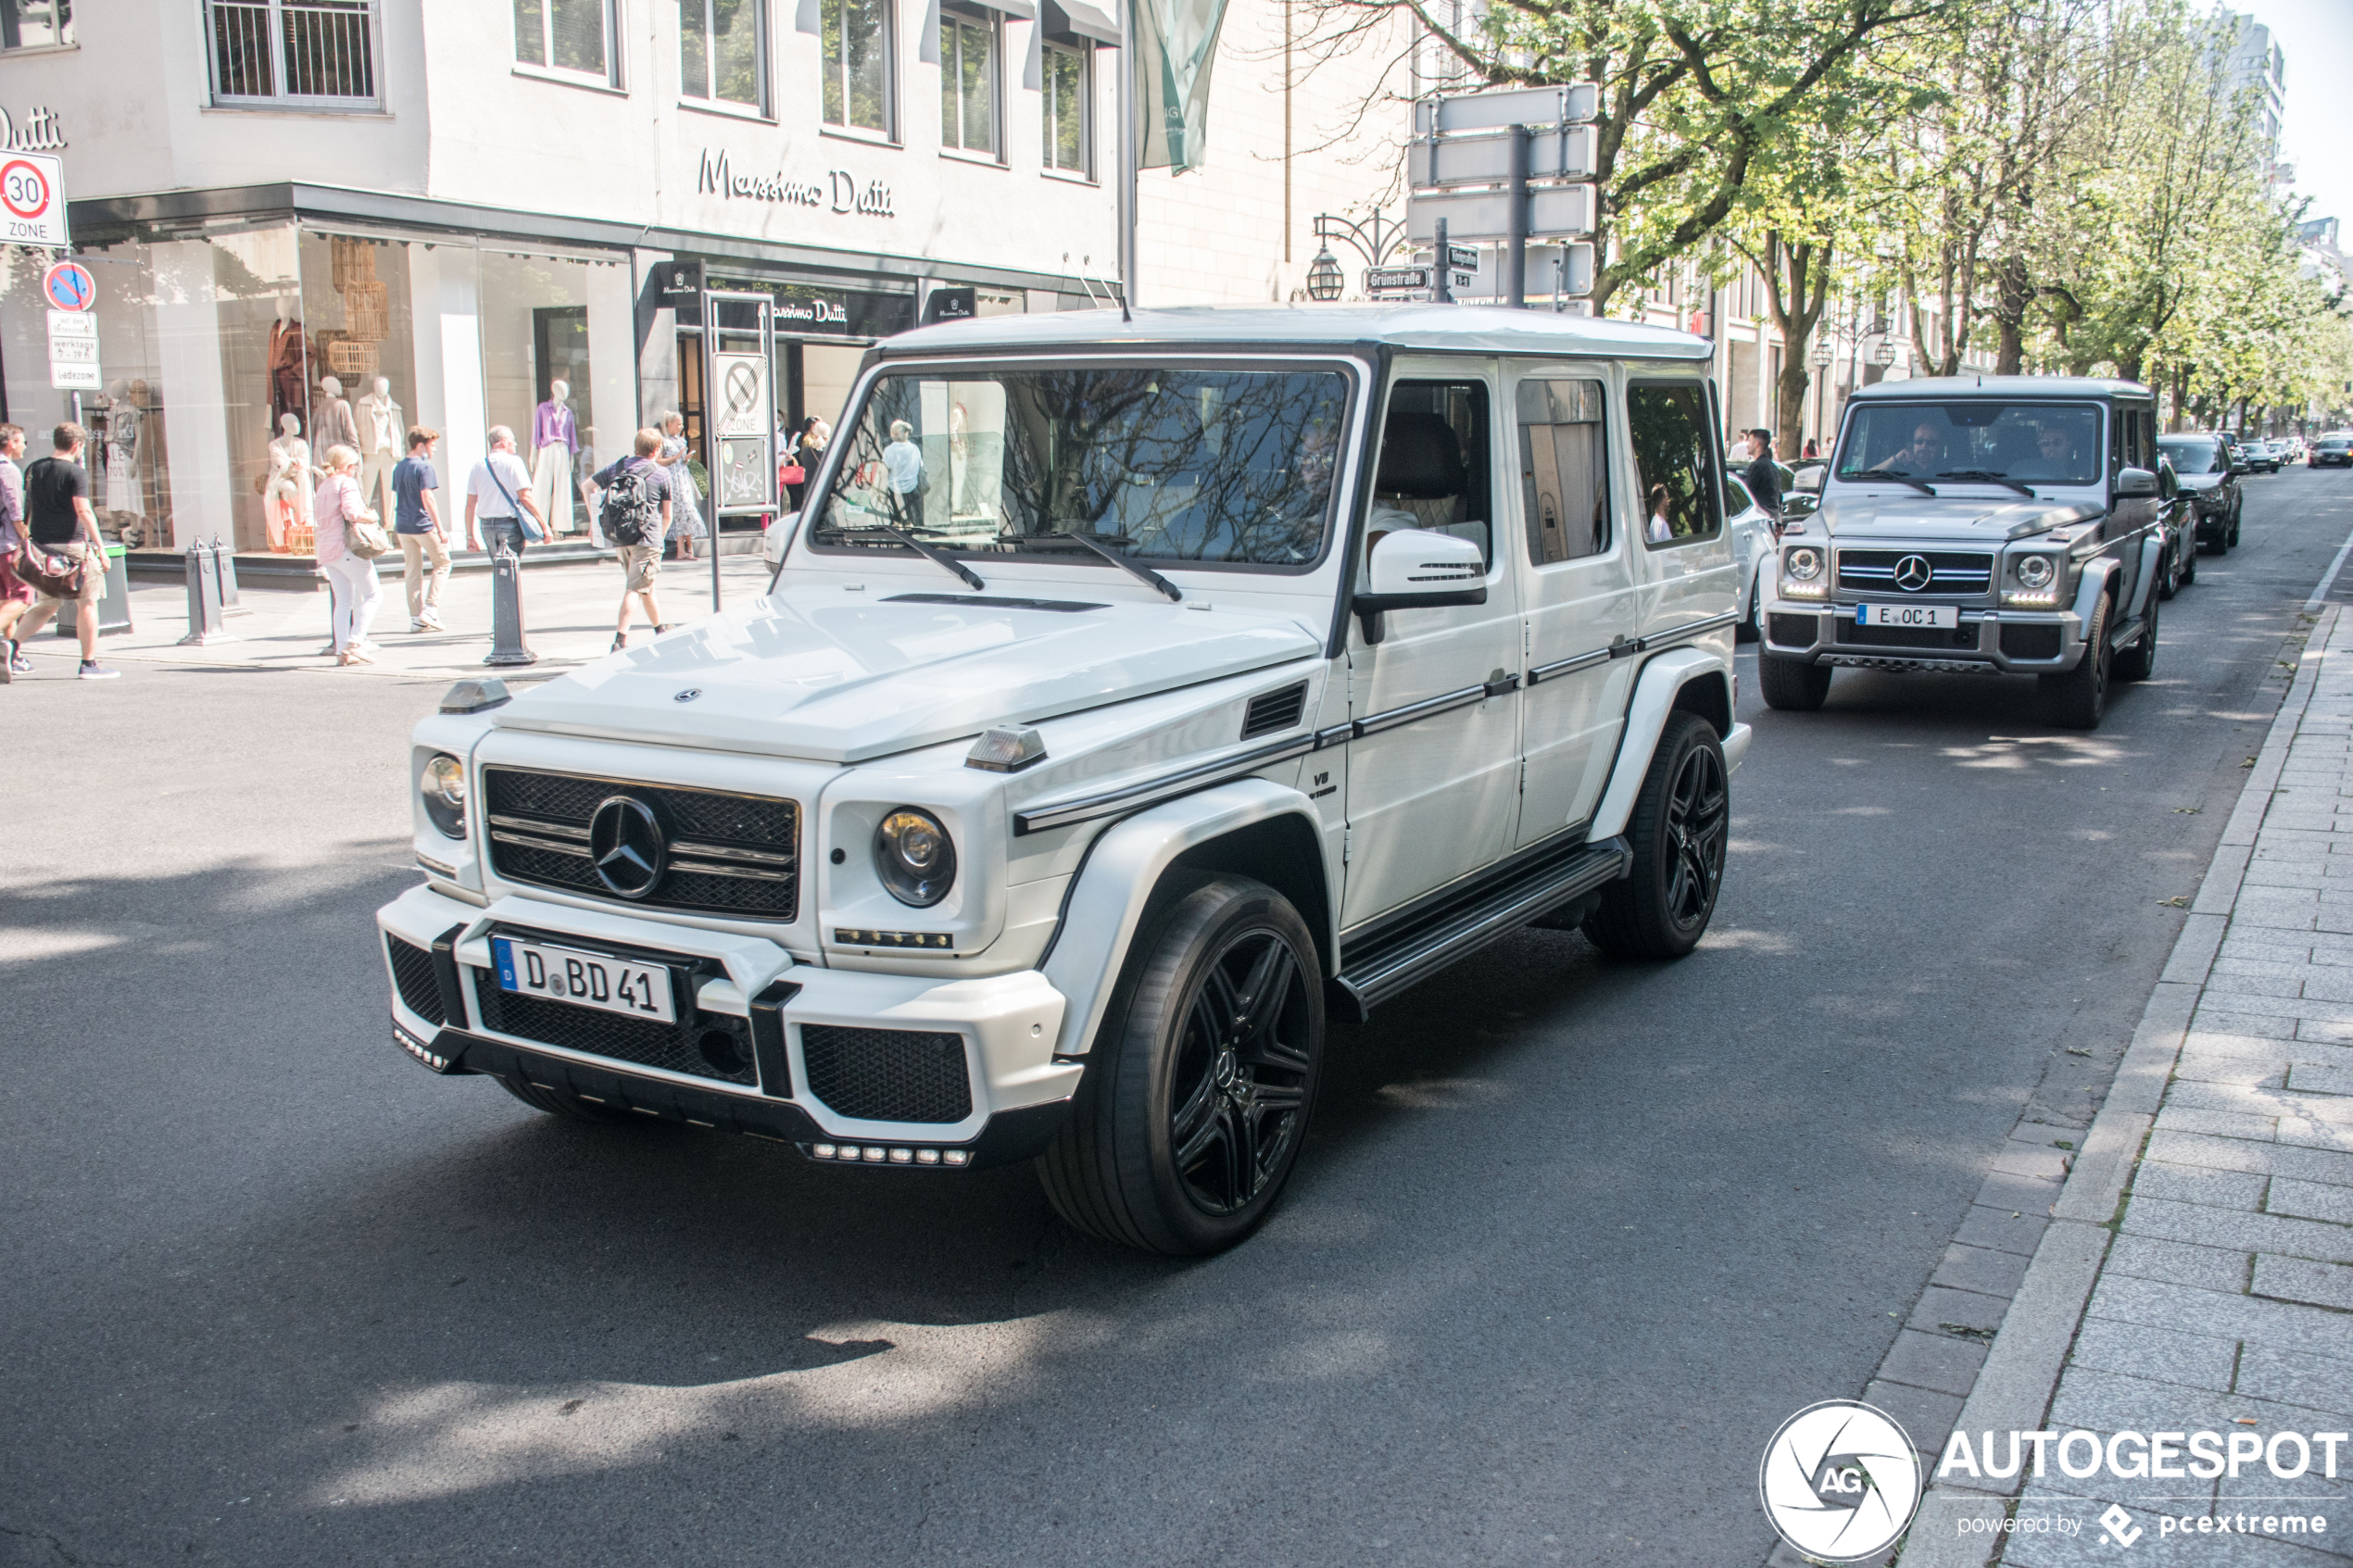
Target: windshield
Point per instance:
(2194, 454)
(2032, 443)
(1189, 466)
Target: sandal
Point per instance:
(619, 640)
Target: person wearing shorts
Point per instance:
(58, 519)
(642, 561)
(16, 594)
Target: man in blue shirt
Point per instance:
(417, 524)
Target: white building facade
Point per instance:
(350, 213)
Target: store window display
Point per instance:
(555, 454)
(383, 437)
(286, 488)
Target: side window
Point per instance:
(1435, 464)
(1563, 476)
(1675, 461)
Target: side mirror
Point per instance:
(2136, 483)
(1417, 568)
(778, 536)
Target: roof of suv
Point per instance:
(2003, 386)
(1484, 329)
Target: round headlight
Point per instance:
(444, 789)
(1805, 563)
(914, 856)
(2034, 571)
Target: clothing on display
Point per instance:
(555, 447)
(335, 426)
(383, 437)
(125, 422)
(289, 371)
(286, 498)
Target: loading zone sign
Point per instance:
(33, 200)
(73, 351)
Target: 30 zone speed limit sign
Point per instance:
(33, 200)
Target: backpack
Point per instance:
(629, 513)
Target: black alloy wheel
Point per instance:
(2138, 661)
(1200, 1085)
(2079, 696)
(1680, 827)
(2169, 581)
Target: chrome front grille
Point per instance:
(1949, 574)
(732, 855)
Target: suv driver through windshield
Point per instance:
(2017, 444)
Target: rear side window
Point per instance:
(1675, 460)
(1562, 475)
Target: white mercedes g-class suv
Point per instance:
(1129, 693)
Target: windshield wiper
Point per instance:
(1143, 574)
(1890, 473)
(946, 563)
(1986, 476)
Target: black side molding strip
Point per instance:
(768, 1037)
(445, 973)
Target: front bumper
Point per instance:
(758, 1008)
(1988, 642)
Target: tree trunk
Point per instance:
(1789, 412)
(2009, 315)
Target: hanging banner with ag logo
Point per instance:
(1178, 44)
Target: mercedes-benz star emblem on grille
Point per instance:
(689, 694)
(626, 847)
(1912, 573)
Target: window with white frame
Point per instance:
(856, 44)
(723, 51)
(569, 35)
(1070, 92)
(35, 24)
(968, 81)
(292, 53)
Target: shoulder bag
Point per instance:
(532, 532)
(362, 535)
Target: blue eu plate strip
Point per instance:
(504, 951)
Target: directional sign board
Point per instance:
(1409, 280)
(1485, 157)
(1553, 212)
(68, 285)
(33, 200)
(73, 351)
(1576, 104)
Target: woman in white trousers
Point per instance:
(352, 578)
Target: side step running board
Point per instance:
(1372, 975)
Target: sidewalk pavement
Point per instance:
(2192, 1264)
(567, 613)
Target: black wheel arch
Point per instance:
(1286, 852)
(1709, 694)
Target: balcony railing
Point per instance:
(294, 54)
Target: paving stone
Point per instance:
(2001, 1230)
(2321, 1079)
(2221, 1315)
(2251, 947)
(1983, 1269)
(2178, 1262)
(2296, 969)
(2041, 1162)
(2240, 1066)
(2197, 1184)
(2110, 1401)
(2182, 1147)
(2315, 1134)
(2025, 1194)
(2223, 1123)
(1940, 1304)
(2161, 1355)
(2223, 990)
(2302, 1279)
(1925, 1414)
(2311, 1200)
(2325, 1030)
(2202, 1226)
(2288, 1377)
(2279, 1026)
(1936, 1362)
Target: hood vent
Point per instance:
(1274, 710)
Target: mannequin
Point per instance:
(124, 502)
(334, 424)
(555, 443)
(382, 441)
(285, 498)
(289, 360)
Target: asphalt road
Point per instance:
(1571, 1237)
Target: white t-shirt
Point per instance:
(487, 501)
(905, 461)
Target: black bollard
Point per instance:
(203, 599)
(225, 557)
(506, 611)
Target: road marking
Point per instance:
(2328, 578)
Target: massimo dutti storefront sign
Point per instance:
(835, 190)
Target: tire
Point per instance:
(2078, 697)
(2231, 540)
(2171, 584)
(1752, 626)
(555, 1102)
(1792, 685)
(2189, 562)
(2136, 662)
(1680, 827)
(1196, 1100)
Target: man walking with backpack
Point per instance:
(635, 513)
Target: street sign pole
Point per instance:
(1510, 166)
(1518, 239)
(1442, 284)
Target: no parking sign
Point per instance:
(33, 200)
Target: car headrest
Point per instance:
(1421, 458)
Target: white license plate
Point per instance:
(587, 980)
(1945, 616)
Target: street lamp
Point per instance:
(1825, 351)
(1325, 279)
(1883, 351)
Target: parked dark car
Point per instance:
(2203, 469)
(2333, 451)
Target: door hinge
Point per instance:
(1347, 843)
(1523, 776)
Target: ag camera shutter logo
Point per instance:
(1840, 1481)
